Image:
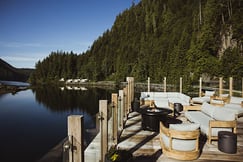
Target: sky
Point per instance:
(31, 29)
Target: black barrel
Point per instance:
(178, 107)
(227, 142)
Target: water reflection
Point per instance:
(59, 99)
(34, 121)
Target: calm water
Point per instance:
(34, 121)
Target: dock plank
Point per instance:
(146, 144)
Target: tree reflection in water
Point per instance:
(58, 100)
(65, 100)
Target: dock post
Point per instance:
(180, 84)
(114, 99)
(132, 88)
(220, 85)
(164, 84)
(103, 129)
(230, 86)
(128, 94)
(148, 84)
(121, 108)
(76, 138)
(130, 85)
(125, 103)
(200, 87)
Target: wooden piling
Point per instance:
(76, 138)
(103, 128)
(132, 88)
(180, 84)
(230, 86)
(125, 103)
(242, 87)
(129, 94)
(148, 84)
(121, 109)
(200, 87)
(130, 85)
(164, 84)
(220, 86)
(114, 99)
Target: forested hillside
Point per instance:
(10, 73)
(159, 38)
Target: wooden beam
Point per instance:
(148, 84)
(76, 138)
(121, 109)
(220, 86)
(230, 86)
(164, 84)
(103, 128)
(200, 87)
(180, 84)
(114, 99)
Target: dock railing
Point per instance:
(231, 86)
(110, 127)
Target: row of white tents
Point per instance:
(74, 81)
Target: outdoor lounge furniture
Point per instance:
(237, 109)
(205, 98)
(234, 104)
(165, 99)
(180, 141)
(213, 119)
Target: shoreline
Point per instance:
(5, 89)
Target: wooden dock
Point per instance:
(145, 145)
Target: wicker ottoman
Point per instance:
(227, 142)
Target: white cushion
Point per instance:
(224, 95)
(236, 100)
(179, 144)
(184, 97)
(200, 99)
(203, 119)
(144, 95)
(160, 94)
(172, 94)
(184, 126)
(162, 103)
(208, 109)
(236, 108)
(216, 130)
(200, 118)
(209, 93)
(176, 100)
(213, 101)
(223, 114)
(230, 105)
(161, 99)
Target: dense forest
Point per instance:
(159, 38)
(10, 73)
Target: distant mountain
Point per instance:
(8, 72)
